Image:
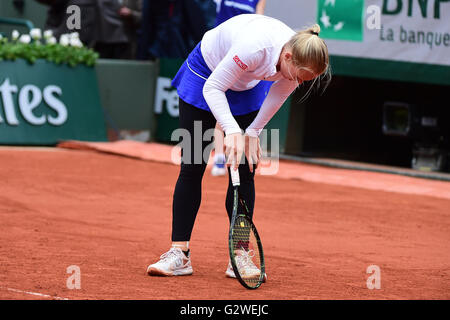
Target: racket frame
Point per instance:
(237, 200)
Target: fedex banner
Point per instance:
(413, 31)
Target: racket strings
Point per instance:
(246, 252)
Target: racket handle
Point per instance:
(235, 180)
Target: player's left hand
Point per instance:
(252, 151)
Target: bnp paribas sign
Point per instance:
(342, 20)
(403, 30)
(42, 104)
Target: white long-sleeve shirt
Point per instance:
(241, 52)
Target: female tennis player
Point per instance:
(225, 11)
(221, 81)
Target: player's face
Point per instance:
(295, 73)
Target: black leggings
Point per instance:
(188, 189)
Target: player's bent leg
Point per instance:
(172, 263)
(246, 190)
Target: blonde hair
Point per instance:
(310, 52)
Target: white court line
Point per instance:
(34, 293)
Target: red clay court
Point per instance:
(111, 215)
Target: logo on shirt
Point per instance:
(238, 61)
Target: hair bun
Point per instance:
(314, 29)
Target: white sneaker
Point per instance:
(218, 170)
(172, 263)
(246, 265)
(230, 272)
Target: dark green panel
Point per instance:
(32, 10)
(390, 70)
(127, 90)
(166, 102)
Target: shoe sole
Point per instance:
(229, 275)
(218, 174)
(218, 171)
(162, 273)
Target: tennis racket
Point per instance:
(246, 252)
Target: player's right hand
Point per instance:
(234, 149)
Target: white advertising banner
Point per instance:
(414, 31)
